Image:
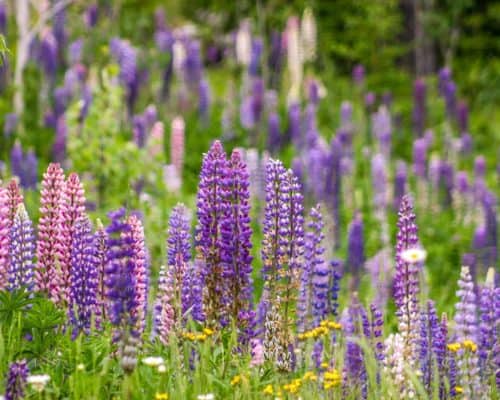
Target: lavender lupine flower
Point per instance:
(48, 53)
(490, 215)
(333, 187)
(432, 348)
(9, 126)
(333, 293)
(294, 133)
(16, 380)
(168, 307)
(84, 278)
(75, 51)
(31, 163)
(450, 97)
(466, 326)
(446, 180)
(139, 130)
(312, 304)
(192, 291)
(355, 249)
(164, 42)
(419, 106)
(420, 147)
(382, 130)
(140, 260)
(22, 252)
(376, 331)
(71, 208)
(212, 207)
(255, 57)
(274, 133)
(47, 276)
(59, 146)
(235, 249)
(489, 325)
(406, 281)
(395, 364)
(399, 184)
(463, 117)
(121, 288)
(192, 67)
(275, 61)
(3, 18)
(91, 15)
(381, 273)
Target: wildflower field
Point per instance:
(249, 200)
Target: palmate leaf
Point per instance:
(11, 303)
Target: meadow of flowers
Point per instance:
(193, 218)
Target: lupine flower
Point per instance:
(314, 280)
(91, 15)
(333, 295)
(294, 122)
(31, 165)
(333, 187)
(376, 331)
(466, 326)
(420, 157)
(399, 184)
(59, 146)
(382, 130)
(355, 249)
(255, 57)
(358, 74)
(274, 133)
(243, 43)
(140, 261)
(10, 124)
(406, 281)
(5, 225)
(17, 162)
(204, 98)
(236, 246)
(177, 143)
(47, 275)
(168, 307)
(308, 35)
(71, 208)
(489, 325)
(48, 53)
(212, 206)
(122, 288)
(22, 252)
(275, 60)
(192, 291)
(379, 182)
(294, 58)
(75, 49)
(16, 380)
(101, 239)
(84, 277)
(381, 272)
(395, 366)
(257, 353)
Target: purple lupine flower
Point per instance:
(314, 280)
(10, 124)
(75, 50)
(168, 313)
(62, 97)
(380, 269)
(311, 133)
(446, 180)
(450, 97)
(139, 130)
(91, 15)
(358, 74)
(275, 60)
(370, 100)
(432, 347)
(406, 280)
(355, 249)
(31, 163)
(355, 371)
(382, 130)
(3, 18)
(236, 245)
(419, 106)
(164, 42)
(466, 326)
(376, 331)
(22, 252)
(16, 380)
(83, 278)
(420, 147)
(17, 162)
(490, 221)
(379, 182)
(294, 123)
(192, 66)
(444, 76)
(333, 295)
(121, 288)
(399, 184)
(192, 291)
(5, 227)
(59, 28)
(255, 58)
(212, 206)
(489, 325)
(48, 54)
(204, 98)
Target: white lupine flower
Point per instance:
(208, 396)
(244, 44)
(153, 361)
(414, 256)
(294, 58)
(38, 382)
(308, 32)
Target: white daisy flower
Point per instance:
(38, 382)
(153, 361)
(413, 256)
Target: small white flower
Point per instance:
(38, 382)
(413, 256)
(162, 368)
(208, 396)
(80, 367)
(153, 361)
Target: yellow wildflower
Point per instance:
(470, 345)
(208, 331)
(310, 376)
(161, 396)
(453, 347)
(268, 390)
(236, 379)
(324, 365)
(459, 389)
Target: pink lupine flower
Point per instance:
(4, 237)
(177, 144)
(47, 276)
